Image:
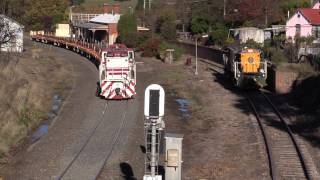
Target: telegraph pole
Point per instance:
(224, 9)
(144, 7)
(150, 2)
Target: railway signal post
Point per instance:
(154, 111)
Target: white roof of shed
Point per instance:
(106, 19)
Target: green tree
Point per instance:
(44, 14)
(77, 2)
(199, 25)
(127, 27)
(219, 34)
(166, 25)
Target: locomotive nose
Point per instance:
(117, 91)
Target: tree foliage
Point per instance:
(36, 14)
(77, 2)
(166, 25)
(127, 27)
(199, 25)
(219, 34)
(44, 14)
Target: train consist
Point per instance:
(117, 72)
(117, 66)
(247, 66)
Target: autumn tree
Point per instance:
(44, 14)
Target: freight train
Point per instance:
(117, 73)
(247, 66)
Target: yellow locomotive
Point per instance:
(247, 66)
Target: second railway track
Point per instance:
(98, 144)
(286, 159)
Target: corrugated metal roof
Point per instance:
(106, 19)
(92, 26)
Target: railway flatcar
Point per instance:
(117, 73)
(246, 65)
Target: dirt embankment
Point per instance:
(28, 83)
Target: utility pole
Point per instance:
(144, 7)
(150, 2)
(183, 15)
(196, 73)
(224, 9)
(266, 11)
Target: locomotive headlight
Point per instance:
(263, 72)
(250, 60)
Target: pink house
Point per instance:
(305, 22)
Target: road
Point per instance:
(83, 134)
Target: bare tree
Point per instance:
(7, 32)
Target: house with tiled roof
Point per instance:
(305, 22)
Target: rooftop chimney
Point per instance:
(116, 9)
(107, 8)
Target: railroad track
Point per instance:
(288, 157)
(286, 160)
(77, 167)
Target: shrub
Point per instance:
(156, 47)
(229, 41)
(219, 34)
(165, 45)
(276, 56)
(150, 47)
(252, 44)
(128, 30)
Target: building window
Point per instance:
(316, 31)
(298, 29)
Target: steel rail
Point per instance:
(115, 140)
(61, 175)
(265, 138)
(271, 159)
(305, 167)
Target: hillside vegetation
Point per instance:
(96, 6)
(28, 82)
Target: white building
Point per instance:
(8, 25)
(63, 30)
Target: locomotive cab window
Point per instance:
(131, 55)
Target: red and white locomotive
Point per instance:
(117, 72)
